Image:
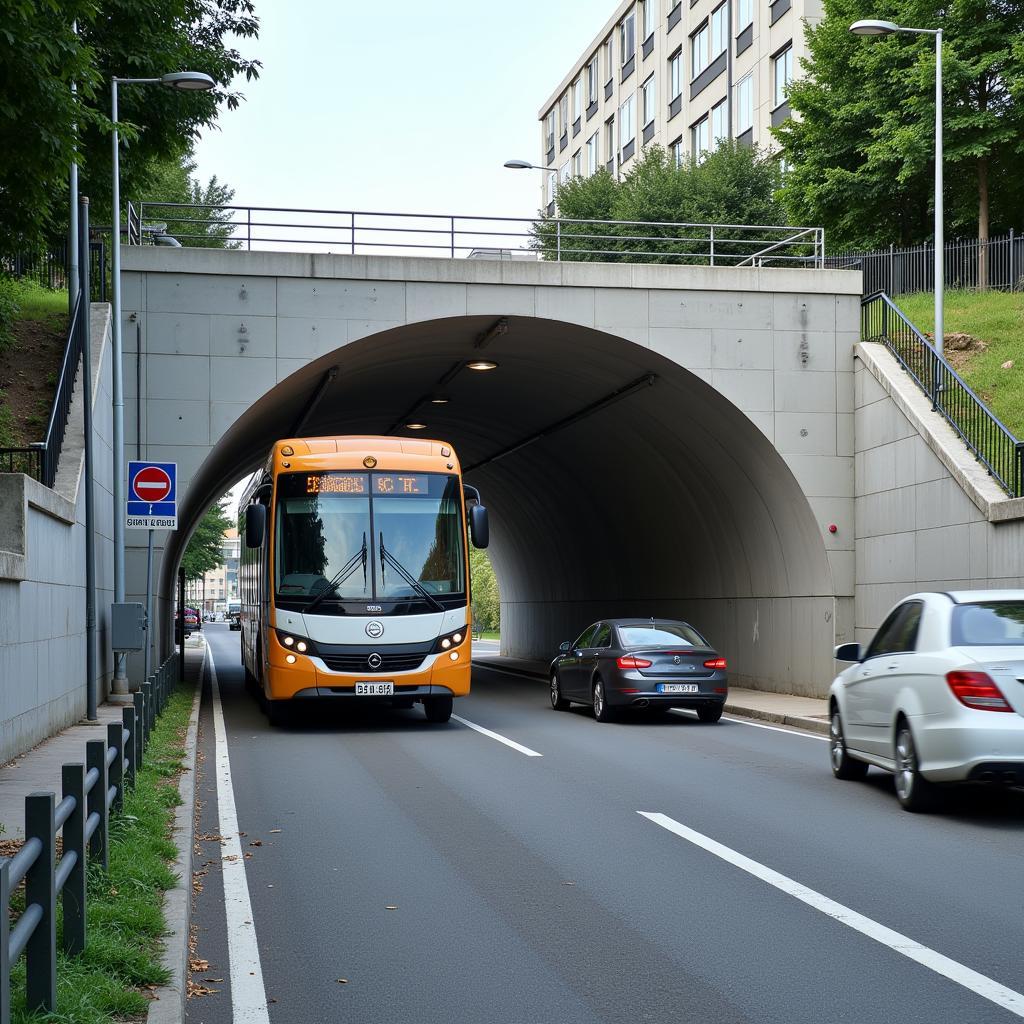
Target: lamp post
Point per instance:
(525, 165)
(882, 28)
(184, 81)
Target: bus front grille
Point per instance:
(360, 662)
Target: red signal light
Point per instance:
(716, 663)
(632, 661)
(977, 690)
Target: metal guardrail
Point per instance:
(49, 268)
(563, 239)
(990, 264)
(991, 442)
(89, 793)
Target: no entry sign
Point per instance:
(152, 498)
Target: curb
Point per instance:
(778, 718)
(168, 1006)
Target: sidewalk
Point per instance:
(40, 768)
(809, 713)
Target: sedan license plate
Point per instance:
(678, 688)
(375, 689)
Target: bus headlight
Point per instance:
(293, 642)
(448, 641)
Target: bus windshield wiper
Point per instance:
(347, 570)
(386, 556)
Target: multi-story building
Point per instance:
(682, 75)
(220, 586)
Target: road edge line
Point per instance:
(169, 1001)
(490, 734)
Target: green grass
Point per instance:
(38, 303)
(489, 634)
(997, 319)
(124, 907)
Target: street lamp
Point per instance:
(525, 165)
(182, 81)
(871, 27)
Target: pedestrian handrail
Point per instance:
(992, 443)
(90, 792)
(561, 239)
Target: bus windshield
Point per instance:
(377, 537)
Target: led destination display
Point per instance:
(357, 483)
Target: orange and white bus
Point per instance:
(354, 573)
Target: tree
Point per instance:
(40, 57)
(486, 602)
(203, 552)
(862, 146)
(735, 184)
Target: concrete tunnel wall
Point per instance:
(668, 502)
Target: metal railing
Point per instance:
(355, 232)
(902, 270)
(990, 441)
(49, 268)
(89, 793)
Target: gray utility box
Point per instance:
(128, 626)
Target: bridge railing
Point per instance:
(90, 792)
(990, 441)
(364, 232)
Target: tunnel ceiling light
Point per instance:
(415, 426)
(481, 365)
(439, 400)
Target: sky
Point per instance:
(402, 106)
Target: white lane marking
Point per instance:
(248, 995)
(497, 736)
(792, 731)
(951, 969)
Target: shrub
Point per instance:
(9, 309)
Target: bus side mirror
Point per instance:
(479, 531)
(255, 525)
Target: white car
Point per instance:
(937, 696)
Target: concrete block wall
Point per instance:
(928, 516)
(42, 575)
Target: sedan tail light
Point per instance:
(632, 661)
(977, 690)
(718, 663)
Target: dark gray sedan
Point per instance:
(640, 663)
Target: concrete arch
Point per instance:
(670, 501)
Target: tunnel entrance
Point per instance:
(619, 483)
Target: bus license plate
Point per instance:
(679, 688)
(375, 689)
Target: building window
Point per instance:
(627, 127)
(675, 75)
(649, 15)
(593, 153)
(608, 57)
(627, 38)
(609, 138)
(563, 173)
(592, 82)
(549, 130)
(744, 14)
(719, 30)
(649, 95)
(577, 99)
(552, 184)
(675, 151)
(699, 50)
(700, 141)
(719, 123)
(577, 163)
(744, 104)
(563, 112)
(782, 75)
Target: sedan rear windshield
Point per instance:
(988, 624)
(660, 634)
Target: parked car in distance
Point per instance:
(640, 663)
(937, 696)
(233, 615)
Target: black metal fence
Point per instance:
(49, 268)
(995, 264)
(991, 442)
(89, 793)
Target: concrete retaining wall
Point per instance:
(42, 575)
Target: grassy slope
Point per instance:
(125, 919)
(996, 318)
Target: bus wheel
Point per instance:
(437, 709)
